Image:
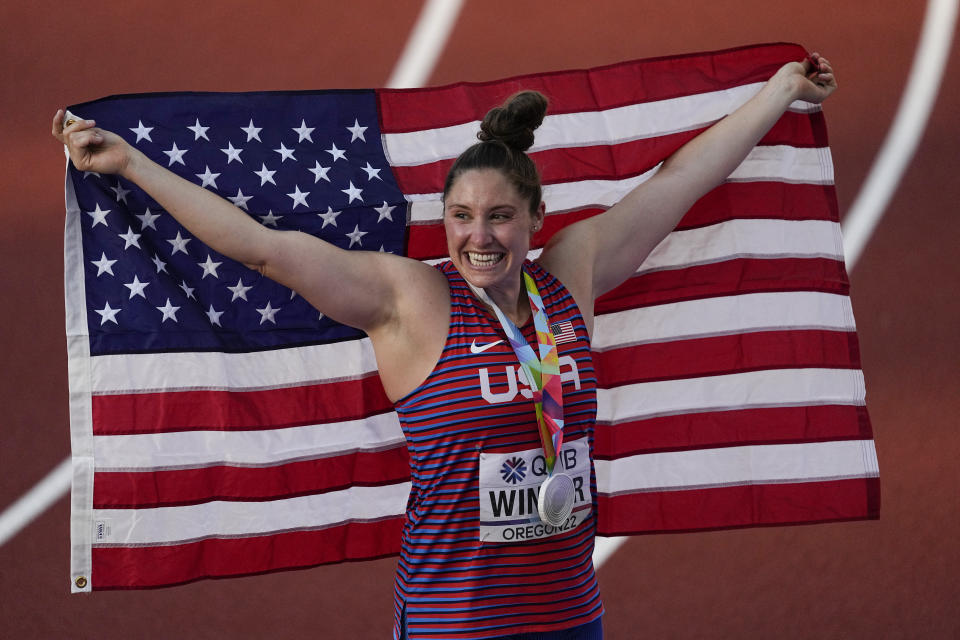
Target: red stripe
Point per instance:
(615, 85)
(731, 277)
(144, 567)
(774, 425)
(238, 410)
(729, 201)
(719, 355)
(149, 489)
(740, 506)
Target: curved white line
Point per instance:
(426, 43)
(35, 501)
(917, 102)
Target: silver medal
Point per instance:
(555, 502)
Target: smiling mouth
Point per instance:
(484, 259)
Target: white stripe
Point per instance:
(589, 128)
(751, 389)
(235, 371)
(747, 238)
(188, 449)
(723, 315)
(773, 163)
(167, 525)
(729, 466)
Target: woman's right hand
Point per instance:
(91, 148)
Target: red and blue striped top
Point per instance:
(450, 584)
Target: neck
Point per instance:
(513, 302)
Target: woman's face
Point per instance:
(489, 226)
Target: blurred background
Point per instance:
(892, 578)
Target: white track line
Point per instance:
(919, 96)
(917, 102)
(426, 43)
(415, 65)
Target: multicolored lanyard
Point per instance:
(542, 373)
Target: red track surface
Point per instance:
(897, 577)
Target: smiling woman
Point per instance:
(486, 357)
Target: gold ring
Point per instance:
(69, 122)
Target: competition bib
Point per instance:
(509, 492)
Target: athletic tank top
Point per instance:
(450, 584)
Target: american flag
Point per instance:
(221, 426)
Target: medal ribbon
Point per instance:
(542, 373)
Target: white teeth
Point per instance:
(484, 259)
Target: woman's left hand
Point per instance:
(812, 80)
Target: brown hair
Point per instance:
(505, 134)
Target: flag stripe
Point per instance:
(754, 464)
(740, 506)
(150, 488)
(767, 388)
(767, 425)
(585, 90)
(159, 566)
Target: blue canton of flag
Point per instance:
(312, 162)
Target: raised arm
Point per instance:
(355, 288)
(603, 251)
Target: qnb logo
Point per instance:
(517, 382)
(513, 470)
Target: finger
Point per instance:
(57, 129)
(85, 138)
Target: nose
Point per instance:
(480, 232)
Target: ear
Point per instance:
(538, 216)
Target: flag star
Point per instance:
(120, 192)
(232, 154)
(107, 314)
(356, 131)
(293, 294)
(267, 313)
(90, 173)
(355, 236)
(372, 173)
(199, 131)
(214, 316)
(176, 155)
(130, 238)
(285, 153)
(265, 175)
(336, 153)
(187, 291)
(136, 287)
(330, 217)
(353, 193)
(239, 290)
(103, 265)
(319, 172)
(208, 177)
(159, 264)
(240, 200)
(169, 312)
(143, 133)
(146, 219)
(270, 219)
(299, 197)
(304, 131)
(209, 267)
(179, 244)
(253, 133)
(385, 212)
(99, 216)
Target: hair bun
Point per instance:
(514, 122)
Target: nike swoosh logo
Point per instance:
(475, 349)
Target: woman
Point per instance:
(476, 561)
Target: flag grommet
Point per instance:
(81, 582)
